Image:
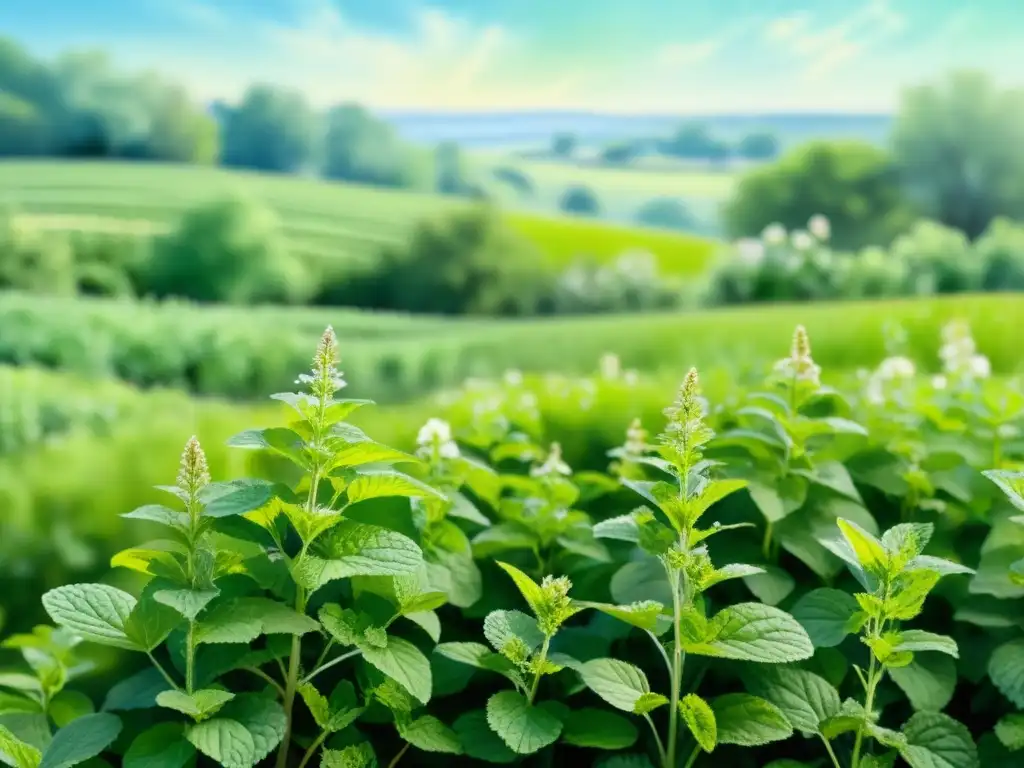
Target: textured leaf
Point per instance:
(479, 741)
(243, 619)
(353, 756)
(431, 735)
(1006, 668)
(870, 553)
(244, 732)
(84, 738)
(387, 482)
(369, 452)
(336, 713)
(502, 626)
(928, 681)
(771, 586)
(17, 752)
(700, 720)
(357, 549)
(1010, 482)
(529, 589)
(644, 614)
(162, 746)
(188, 602)
(524, 728)
(935, 740)
(754, 632)
(68, 705)
(96, 612)
(749, 721)
(1010, 732)
(404, 663)
(641, 580)
(150, 622)
(598, 729)
(136, 692)
(803, 697)
(824, 614)
(428, 621)
(198, 705)
(915, 640)
(622, 685)
(236, 497)
(157, 513)
(621, 528)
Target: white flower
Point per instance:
(980, 367)
(448, 450)
(610, 366)
(435, 430)
(874, 392)
(819, 227)
(750, 251)
(939, 382)
(630, 377)
(553, 465)
(513, 377)
(774, 234)
(802, 241)
(896, 367)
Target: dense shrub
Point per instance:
(631, 283)
(230, 250)
(34, 260)
(580, 201)
(1001, 253)
(938, 260)
(665, 212)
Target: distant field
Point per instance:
(322, 220)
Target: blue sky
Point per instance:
(666, 56)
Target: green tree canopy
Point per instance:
(272, 129)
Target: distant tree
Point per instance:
(450, 170)
(564, 144)
(516, 179)
(620, 154)
(960, 149)
(272, 129)
(362, 148)
(854, 184)
(31, 103)
(693, 142)
(760, 145)
(580, 201)
(665, 212)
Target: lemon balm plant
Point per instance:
(249, 562)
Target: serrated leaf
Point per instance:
(336, 713)
(525, 728)
(598, 729)
(700, 719)
(935, 740)
(375, 484)
(357, 549)
(1006, 669)
(644, 614)
(479, 741)
(805, 699)
(825, 614)
(428, 621)
(754, 632)
(69, 705)
(1010, 732)
(158, 513)
(16, 752)
(96, 612)
(502, 626)
(188, 602)
(404, 663)
(243, 733)
(870, 554)
(243, 619)
(136, 692)
(199, 705)
(621, 528)
(162, 746)
(928, 681)
(527, 587)
(1010, 483)
(915, 640)
(622, 685)
(81, 740)
(431, 735)
(236, 497)
(749, 721)
(369, 452)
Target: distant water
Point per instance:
(532, 129)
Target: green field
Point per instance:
(320, 219)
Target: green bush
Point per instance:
(938, 260)
(34, 260)
(1001, 252)
(230, 250)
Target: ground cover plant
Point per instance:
(786, 575)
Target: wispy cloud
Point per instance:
(680, 54)
(823, 48)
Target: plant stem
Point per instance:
(291, 683)
(163, 671)
(330, 664)
(677, 672)
(190, 658)
(396, 758)
(661, 650)
(260, 673)
(540, 668)
(766, 544)
(693, 756)
(313, 748)
(657, 739)
(869, 703)
(831, 753)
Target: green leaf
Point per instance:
(700, 720)
(502, 626)
(804, 698)
(188, 602)
(622, 685)
(162, 746)
(404, 663)
(199, 705)
(428, 621)
(771, 586)
(336, 713)
(243, 619)
(1010, 482)
(528, 588)
(935, 740)
(825, 614)
(834, 476)
(96, 612)
(150, 622)
(158, 513)
(375, 484)
(236, 497)
(598, 729)
(1006, 668)
(243, 733)
(16, 752)
(431, 735)
(136, 692)
(712, 493)
(749, 721)
(357, 549)
(353, 756)
(524, 728)
(928, 681)
(915, 640)
(479, 741)
(369, 452)
(621, 528)
(869, 552)
(82, 739)
(644, 614)
(67, 706)
(1010, 732)
(754, 632)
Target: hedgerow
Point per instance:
(786, 579)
